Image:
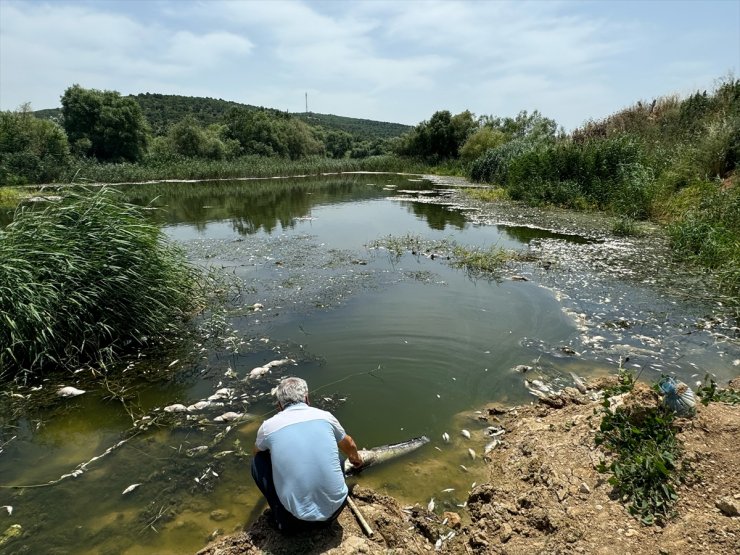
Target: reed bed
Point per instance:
(181, 168)
(83, 281)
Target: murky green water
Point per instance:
(396, 347)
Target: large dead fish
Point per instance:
(383, 453)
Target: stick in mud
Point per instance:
(361, 519)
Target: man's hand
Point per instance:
(349, 448)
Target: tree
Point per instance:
(441, 137)
(481, 141)
(272, 133)
(104, 124)
(31, 150)
(524, 125)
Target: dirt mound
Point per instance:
(544, 495)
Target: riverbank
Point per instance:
(544, 495)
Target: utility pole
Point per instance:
(306, 103)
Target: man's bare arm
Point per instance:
(349, 448)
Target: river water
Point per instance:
(396, 345)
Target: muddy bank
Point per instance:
(544, 495)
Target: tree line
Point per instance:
(111, 128)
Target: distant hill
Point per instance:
(164, 110)
(364, 128)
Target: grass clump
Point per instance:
(476, 262)
(645, 469)
(493, 194)
(85, 280)
(709, 392)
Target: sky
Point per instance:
(397, 61)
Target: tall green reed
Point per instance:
(83, 281)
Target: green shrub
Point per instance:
(493, 166)
(85, 280)
(645, 467)
(31, 150)
(709, 233)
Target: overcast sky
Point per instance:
(394, 61)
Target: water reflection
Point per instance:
(526, 234)
(250, 206)
(438, 217)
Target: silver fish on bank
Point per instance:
(383, 453)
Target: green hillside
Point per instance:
(164, 110)
(364, 128)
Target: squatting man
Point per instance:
(296, 462)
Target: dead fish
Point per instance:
(257, 372)
(448, 490)
(279, 362)
(383, 453)
(465, 433)
(495, 431)
(228, 417)
(522, 368)
(465, 468)
(69, 391)
(578, 382)
(129, 489)
(230, 374)
(8, 508)
(491, 446)
(223, 393)
(438, 544)
(446, 437)
(471, 453)
(430, 506)
(177, 407)
(200, 405)
(173, 363)
(197, 450)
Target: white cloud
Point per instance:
(383, 60)
(50, 47)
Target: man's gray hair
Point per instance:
(291, 390)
